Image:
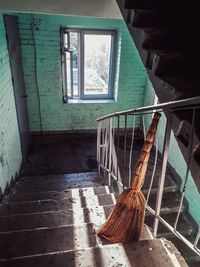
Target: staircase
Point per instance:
(52, 221)
(164, 34)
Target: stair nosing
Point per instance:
(49, 211)
(60, 252)
(54, 200)
(50, 228)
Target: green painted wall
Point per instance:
(175, 157)
(10, 149)
(56, 115)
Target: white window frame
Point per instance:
(81, 95)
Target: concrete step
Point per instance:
(73, 202)
(184, 226)
(56, 195)
(31, 242)
(77, 217)
(48, 240)
(169, 184)
(44, 214)
(54, 185)
(151, 253)
(74, 198)
(191, 257)
(170, 202)
(82, 176)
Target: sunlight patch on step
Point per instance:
(112, 256)
(90, 213)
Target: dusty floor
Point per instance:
(69, 153)
(76, 153)
(58, 154)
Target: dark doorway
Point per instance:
(13, 43)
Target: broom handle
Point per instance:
(141, 165)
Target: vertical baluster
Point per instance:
(131, 151)
(162, 175)
(114, 158)
(143, 126)
(98, 145)
(125, 144)
(188, 168)
(197, 239)
(106, 143)
(118, 127)
(110, 150)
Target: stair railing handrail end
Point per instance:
(163, 106)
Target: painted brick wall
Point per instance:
(55, 115)
(10, 149)
(175, 157)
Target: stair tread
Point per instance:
(129, 254)
(170, 202)
(73, 176)
(183, 226)
(42, 217)
(189, 255)
(57, 182)
(56, 195)
(80, 198)
(70, 202)
(56, 186)
(30, 242)
(76, 217)
(47, 240)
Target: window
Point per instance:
(88, 63)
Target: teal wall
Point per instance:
(56, 115)
(10, 149)
(175, 157)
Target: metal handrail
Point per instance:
(179, 104)
(191, 103)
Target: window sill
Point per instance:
(91, 101)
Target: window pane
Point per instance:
(68, 73)
(97, 49)
(74, 48)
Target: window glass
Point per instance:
(87, 61)
(97, 50)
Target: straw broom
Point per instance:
(126, 220)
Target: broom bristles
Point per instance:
(126, 220)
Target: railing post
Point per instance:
(110, 151)
(197, 239)
(125, 145)
(118, 126)
(163, 173)
(190, 147)
(98, 145)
